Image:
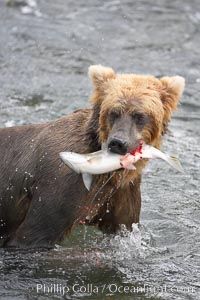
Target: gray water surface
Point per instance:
(44, 58)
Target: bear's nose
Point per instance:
(117, 145)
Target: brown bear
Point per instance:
(41, 198)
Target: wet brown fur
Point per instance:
(41, 199)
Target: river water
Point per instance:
(45, 51)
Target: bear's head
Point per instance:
(133, 107)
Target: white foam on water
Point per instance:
(10, 123)
(126, 245)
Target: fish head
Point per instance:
(73, 160)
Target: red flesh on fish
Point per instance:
(127, 160)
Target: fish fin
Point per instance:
(175, 163)
(131, 167)
(87, 179)
(103, 146)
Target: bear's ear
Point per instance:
(99, 75)
(171, 91)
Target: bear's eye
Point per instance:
(113, 116)
(139, 118)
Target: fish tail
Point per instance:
(174, 162)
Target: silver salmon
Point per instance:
(103, 161)
(99, 162)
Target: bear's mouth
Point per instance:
(138, 148)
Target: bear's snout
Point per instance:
(118, 145)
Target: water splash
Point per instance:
(126, 245)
